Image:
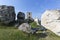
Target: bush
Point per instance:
(34, 24)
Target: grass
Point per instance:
(12, 33)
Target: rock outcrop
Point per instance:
(50, 19)
(37, 21)
(7, 14)
(25, 27)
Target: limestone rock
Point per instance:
(25, 27)
(37, 21)
(7, 14)
(50, 19)
(20, 17)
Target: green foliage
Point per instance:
(33, 24)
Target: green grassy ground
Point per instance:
(11, 33)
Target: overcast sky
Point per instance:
(37, 7)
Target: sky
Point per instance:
(37, 7)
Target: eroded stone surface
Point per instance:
(25, 27)
(50, 19)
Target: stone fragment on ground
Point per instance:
(25, 27)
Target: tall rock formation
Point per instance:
(7, 14)
(50, 19)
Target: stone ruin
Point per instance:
(50, 19)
